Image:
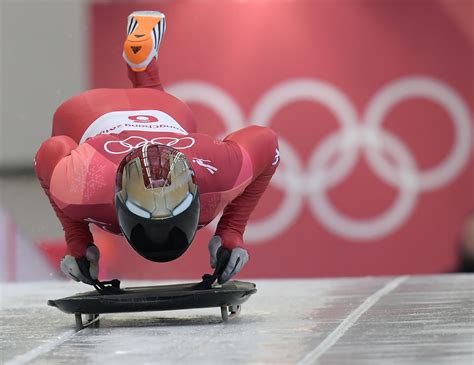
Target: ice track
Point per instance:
(385, 320)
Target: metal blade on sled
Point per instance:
(110, 298)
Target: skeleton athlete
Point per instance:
(132, 162)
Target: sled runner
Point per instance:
(228, 297)
(110, 298)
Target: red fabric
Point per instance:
(80, 179)
(260, 143)
(360, 50)
(50, 153)
(150, 78)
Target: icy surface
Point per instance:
(404, 320)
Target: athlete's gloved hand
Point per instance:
(83, 268)
(238, 258)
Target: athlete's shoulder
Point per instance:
(217, 163)
(85, 176)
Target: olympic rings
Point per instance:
(356, 135)
(126, 146)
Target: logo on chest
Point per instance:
(129, 144)
(135, 120)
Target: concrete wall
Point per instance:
(24, 200)
(42, 63)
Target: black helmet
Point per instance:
(157, 201)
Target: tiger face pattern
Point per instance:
(145, 30)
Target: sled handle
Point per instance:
(223, 257)
(103, 287)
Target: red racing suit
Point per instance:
(93, 131)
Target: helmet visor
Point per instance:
(156, 182)
(157, 202)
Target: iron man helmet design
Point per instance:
(157, 201)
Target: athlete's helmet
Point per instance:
(157, 201)
(145, 31)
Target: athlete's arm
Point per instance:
(261, 145)
(51, 152)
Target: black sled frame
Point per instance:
(110, 298)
